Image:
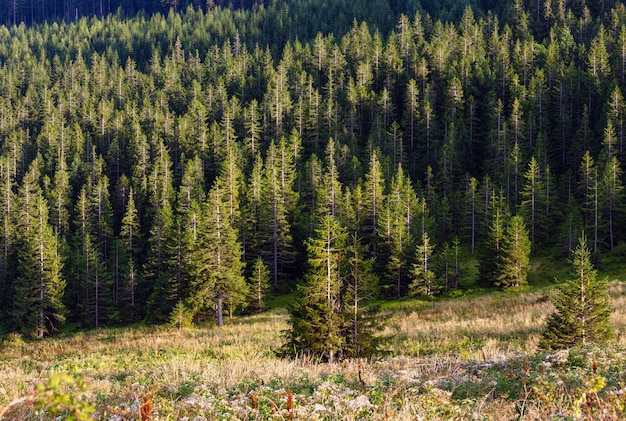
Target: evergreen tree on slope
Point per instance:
(316, 317)
(39, 287)
(582, 307)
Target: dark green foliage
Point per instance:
(534, 206)
(328, 319)
(39, 286)
(395, 125)
(160, 275)
(514, 262)
(360, 286)
(316, 317)
(583, 310)
(216, 264)
(491, 251)
(259, 284)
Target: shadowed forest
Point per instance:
(152, 162)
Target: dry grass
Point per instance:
(494, 326)
(497, 325)
(458, 358)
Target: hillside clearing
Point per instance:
(458, 358)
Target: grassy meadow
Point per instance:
(458, 358)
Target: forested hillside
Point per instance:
(155, 162)
(301, 18)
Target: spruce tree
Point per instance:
(583, 310)
(129, 238)
(374, 187)
(514, 262)
(613, 199)
(259, 284)
(7, 199)
(217, 271)
(39, 285)
(180, 317)
(316, 319)
(396, 225)
(533, 206)
(277, 202)
(159, 273)
(361, 284)
(491, 250)
(424, 279)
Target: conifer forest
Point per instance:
(159, 158)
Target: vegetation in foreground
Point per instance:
(473, 356)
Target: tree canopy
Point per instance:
(164, 152)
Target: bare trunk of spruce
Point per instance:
(220, 302)
(40, 328)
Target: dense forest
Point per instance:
(301, 18)
(154, 164)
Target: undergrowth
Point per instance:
(473, 356)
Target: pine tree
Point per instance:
(583, 309)
(515, 258)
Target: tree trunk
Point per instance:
(220, 301)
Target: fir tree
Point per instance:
(582, 306)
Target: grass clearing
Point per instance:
(471, 356)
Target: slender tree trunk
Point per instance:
(220, 303)
(595, 225)
(40, 328)
(97, 306)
